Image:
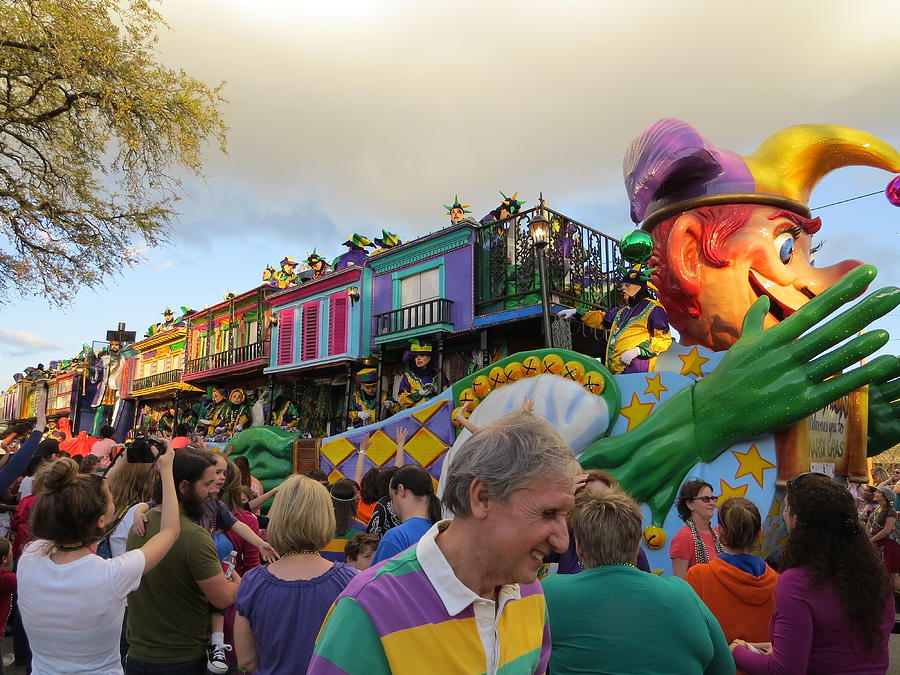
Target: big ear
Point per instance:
(683, 253)
(479, 499)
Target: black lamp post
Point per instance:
(540, 238)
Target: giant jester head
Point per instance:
(728, 229)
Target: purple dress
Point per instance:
(286, 615)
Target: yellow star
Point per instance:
(776, 508)
(692, 363)
(654, 386)
(752, 464)
(636, 412)
(728, 492)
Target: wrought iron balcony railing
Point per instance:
(230, 357)
(420, 315)
(581, 264)
(165, 377)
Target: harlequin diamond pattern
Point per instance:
(431, 433)
(335, 476)
(424, 415)
(337, 450)
(381, 448)
(425, 447)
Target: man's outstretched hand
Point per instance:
(770, 379)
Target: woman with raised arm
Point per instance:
(72, 600)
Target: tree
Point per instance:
(93, 132)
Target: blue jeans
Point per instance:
(134, 667)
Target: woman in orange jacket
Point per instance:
(737, 586)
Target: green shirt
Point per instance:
(168, 616)
(617, 619)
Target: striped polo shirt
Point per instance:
(411, 615)
(334, 549)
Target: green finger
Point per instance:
(890, 391)
(833, 389)
(855, 350)
(855, 319)
(847, 287)
(753, 319)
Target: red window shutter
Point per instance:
(310, 348)
(285, 337)
(337, 324)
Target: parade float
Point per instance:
(476, 316)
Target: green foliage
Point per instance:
(93, 132)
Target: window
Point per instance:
(420, 287)
(310, 336)
(337, 324)
(285, 337)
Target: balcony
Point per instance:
(230, 357)
(581, 264)
(157, 380)
(434, 313)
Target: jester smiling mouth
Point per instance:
(779, 307)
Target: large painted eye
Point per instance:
(784, 244)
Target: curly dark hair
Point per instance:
(827, 541)
(688, 491)
(368, 489)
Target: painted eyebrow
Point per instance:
(809, 225)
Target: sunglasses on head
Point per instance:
(706, 499)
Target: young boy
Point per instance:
(360, 550)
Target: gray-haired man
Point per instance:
(465, 599)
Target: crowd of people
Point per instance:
(157, 559)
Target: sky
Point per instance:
(359, 115)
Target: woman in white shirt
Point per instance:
(72, 601)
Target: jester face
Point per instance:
(770, 255)
(369, 388)
(217, 395)
(456, 214)
(422, 360)
(114, 346)
(237, 397)
(630, 290)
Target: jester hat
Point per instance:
(367, 376)
(416, 348)
(315, 258)
(456, 205)
(167, 311)
(671, 168)
(357, 242)
(288, 260)
(387, 240)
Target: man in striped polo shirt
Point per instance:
(465, 599)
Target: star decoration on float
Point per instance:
(636, 412)
(775, 511)
(692, 363)
(727, 491)
(655, 386)
(752, 464)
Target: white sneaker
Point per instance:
(216, 662)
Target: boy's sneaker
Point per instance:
(216, 662)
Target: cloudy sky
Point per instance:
(359, 115)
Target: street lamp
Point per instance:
(539, 228)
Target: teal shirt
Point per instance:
(617, 619)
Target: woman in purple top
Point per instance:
(281, 606)
(833, 604)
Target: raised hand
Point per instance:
(772, 378)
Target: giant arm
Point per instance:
(768, 380)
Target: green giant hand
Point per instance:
(768, 379)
